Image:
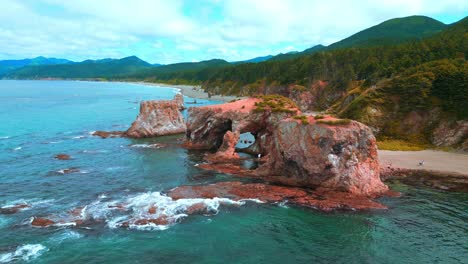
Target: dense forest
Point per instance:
(401, 77)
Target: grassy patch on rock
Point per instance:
(275, 103)
(336, 122)
(303, 118)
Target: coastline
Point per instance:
(192, 91)
(438, 162)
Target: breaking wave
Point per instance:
(25, 252)
(144, 211)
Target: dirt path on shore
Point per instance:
(433, 160)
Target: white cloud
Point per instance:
(230, 29)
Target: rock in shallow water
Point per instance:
(158, 118)
(13, 209)
(324, 200)
(62, 157)
(41, 222)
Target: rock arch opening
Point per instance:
(246, 140)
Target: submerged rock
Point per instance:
(62, 157)
(339, 155)
(109, 134)
(41, 222)
(13, 209)
(158, 118)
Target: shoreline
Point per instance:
(435, 162)
(192, 91)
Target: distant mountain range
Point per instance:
(10, 65)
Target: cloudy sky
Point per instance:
(168, 31)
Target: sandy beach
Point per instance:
(192, 91)
(433, 160)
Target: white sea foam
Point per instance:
(26, 252)
(31, 202)
(5, 137)
(134, 211)
(283, 204)
(78, 137)
(146, 146)
(17, 148)
(66, 235)
(92, 132)
(95, 151)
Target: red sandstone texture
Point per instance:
(158, 118)
(323, 200)
(338, 156)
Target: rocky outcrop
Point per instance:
(322, 200)
(158, 118)
(454, 133)
(339, 155)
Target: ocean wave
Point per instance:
(78, 137)
(5, 137)
(155, 145)
(31, 202)
(52, 142)
(66, 235)
(25, 252)
(95, 151)
(17, 148)
(144, 211)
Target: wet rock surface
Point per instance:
(14, 208)
(323, 200)
(108, 134)
(62, 157)
(419, 177)
(41, 222)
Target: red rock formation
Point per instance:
(41, 222)
(179, 99)
(339, 155)
(62, 157)
(158, 118)
(198, 208)
(323, 200)
(162, 220)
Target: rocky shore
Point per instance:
(308, 160)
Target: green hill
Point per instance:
(105, 68)
(180, 73)
(393, 31)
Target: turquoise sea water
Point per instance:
(39, 119)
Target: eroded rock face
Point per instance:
(158, 118)
(325, 153)
(338, 157)
(451, 134)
